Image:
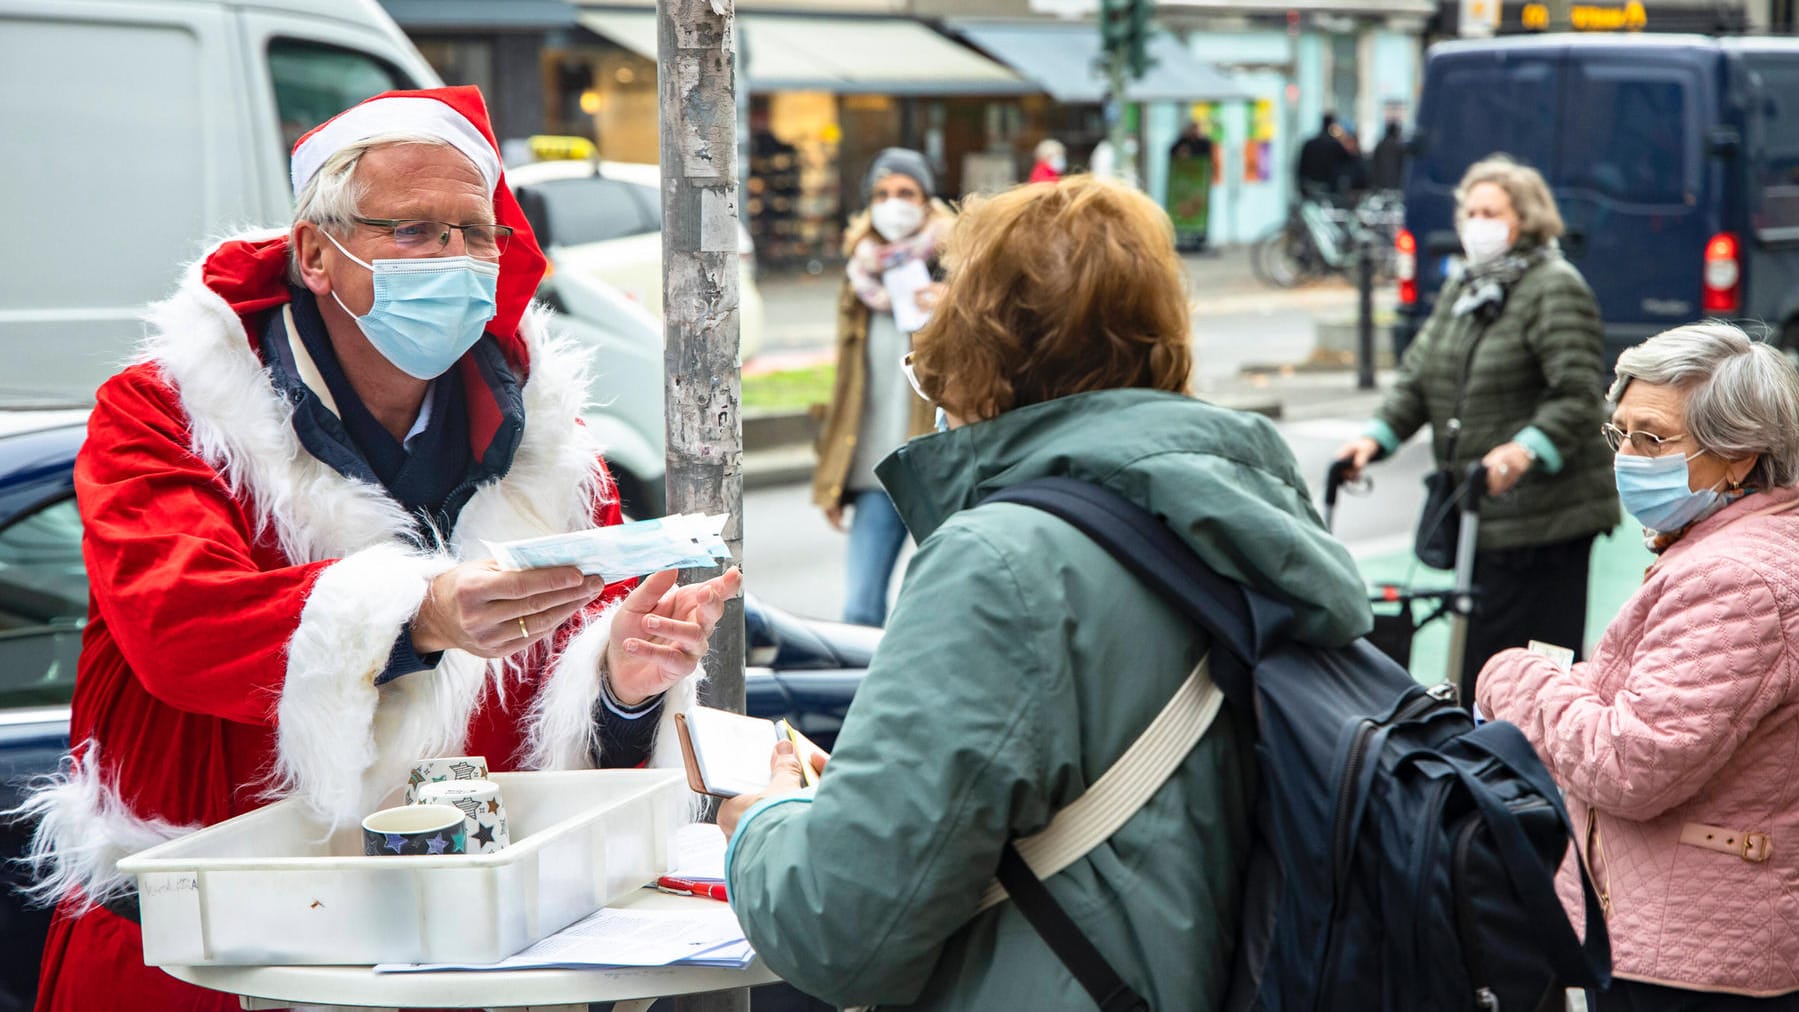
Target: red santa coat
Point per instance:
(244, 597)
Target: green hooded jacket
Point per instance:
(1019, 663)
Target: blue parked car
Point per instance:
(801, 669)
(1674, 160)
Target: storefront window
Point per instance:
(606, 94)
(795, 199)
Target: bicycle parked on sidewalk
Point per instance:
(1320, 238)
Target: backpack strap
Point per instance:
(1065, 938)
(1507, 744)
(1118, 793)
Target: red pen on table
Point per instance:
(690, 887)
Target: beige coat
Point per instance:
(841, 418)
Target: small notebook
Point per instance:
(727, 753)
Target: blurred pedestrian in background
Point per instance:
(1386, 170)
(1324, 162)
(1022, 658)
(1051, 161)
(895, 242)
(1508, 372)
(1192, 143)
(1677, 745)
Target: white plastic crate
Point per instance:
(270, 887)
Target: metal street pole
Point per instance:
(696, 83)
(1364, 323)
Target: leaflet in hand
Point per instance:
(682, 541)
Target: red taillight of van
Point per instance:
(1405, 266)
(1723, 274)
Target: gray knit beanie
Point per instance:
(904, 161)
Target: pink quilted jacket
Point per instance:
(1677, 746)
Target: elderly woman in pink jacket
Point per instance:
(1677, 744)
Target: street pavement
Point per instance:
(1251, 344)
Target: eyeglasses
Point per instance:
(1647, 444)
(912, 377)
(414, 234)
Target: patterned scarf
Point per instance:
(1485, 286)
(871, 258)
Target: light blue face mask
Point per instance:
(428, 311)
(1655, 491)
(942, 420)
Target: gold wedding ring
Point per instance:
(522, 631)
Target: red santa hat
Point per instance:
(458, 116)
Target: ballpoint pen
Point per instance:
(690, 887)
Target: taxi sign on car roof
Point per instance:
(550, 147)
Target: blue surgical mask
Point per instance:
(1655, 490)
(428, 311)
(942, 420)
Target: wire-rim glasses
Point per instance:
(1647, 444)
(481, 240)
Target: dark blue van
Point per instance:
(1674, 160)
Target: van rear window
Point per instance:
(1630, 133)
(1489, 108)
(1774, 138)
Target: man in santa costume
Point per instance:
(285, 499)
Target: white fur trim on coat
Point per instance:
(83, 829)
(331, 714)
(563, 734)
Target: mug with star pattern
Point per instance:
(414, 830)
(484, 816)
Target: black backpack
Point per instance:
(1404, 858)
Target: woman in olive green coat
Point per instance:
(1509, 372)
(1021, 658)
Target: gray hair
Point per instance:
(1742, 396)
(1531, 198)
(332, 197)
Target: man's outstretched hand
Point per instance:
(660, 632)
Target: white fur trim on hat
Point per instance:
(401, 114)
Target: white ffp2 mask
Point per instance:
(1485, 239)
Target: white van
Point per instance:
(135, 132)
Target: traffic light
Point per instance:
(1141, 12)
(1124, 29)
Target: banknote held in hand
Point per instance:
(727, 753)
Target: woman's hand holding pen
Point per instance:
(785, 778)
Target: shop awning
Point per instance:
(465, 14)
(1064, 61)
(846, 55)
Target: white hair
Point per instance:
(332, 197)
(1742, 396)
(1049, 148)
